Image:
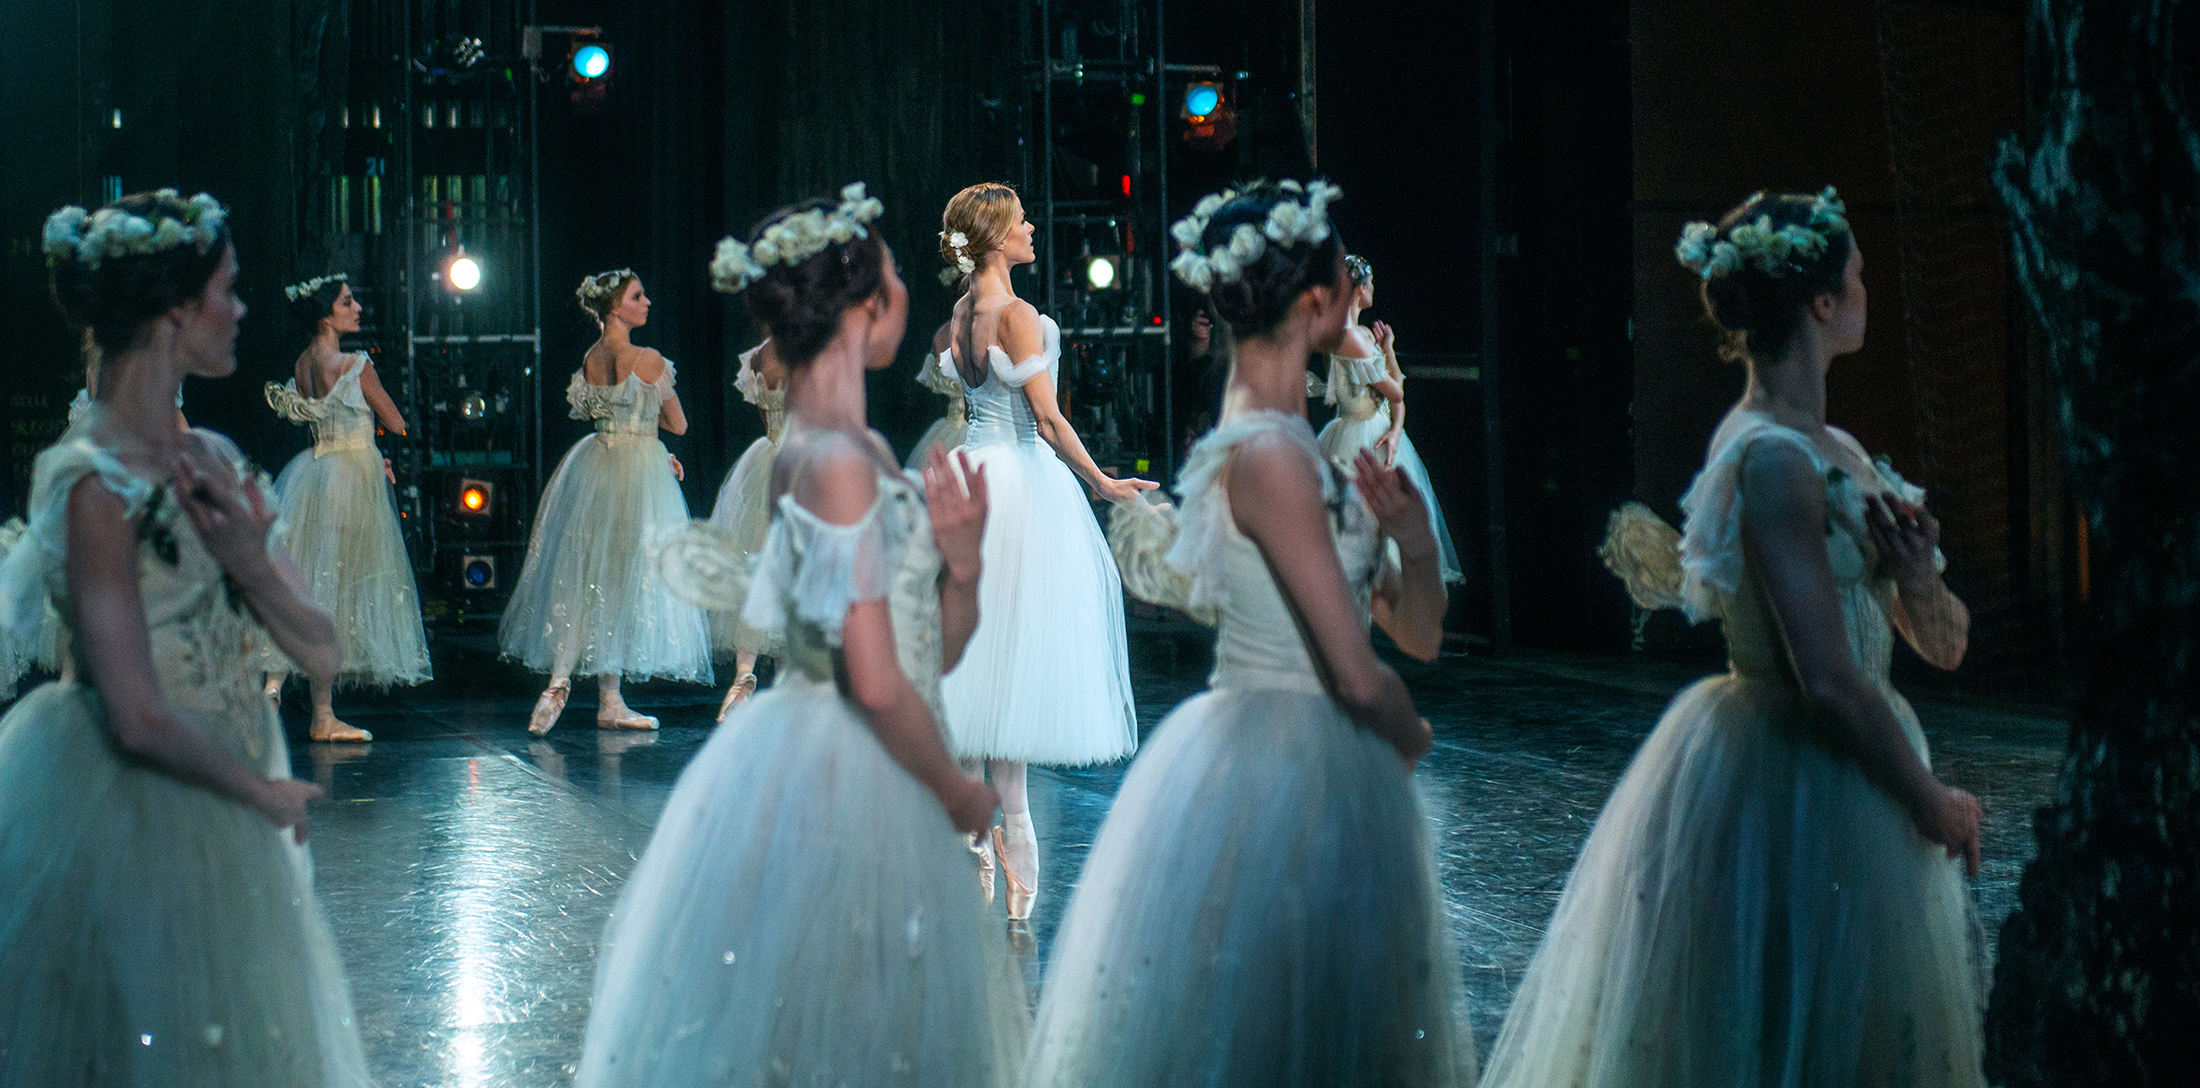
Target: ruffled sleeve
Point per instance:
(347, 387)
(1317, 388)
(30, 571)
(82, 405)
(666, 380)
(290, 404)
(938, 375)
(746, 381)
(1204, 521)
(1363, 371)
(1017, 375)
(1711, 521)
(814, 571)
(1893, 483)
(1141, 534)
(580, 397)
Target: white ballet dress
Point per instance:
(1362, 419)
(152, 933)
(1046, 678)
(1750, 908)
(1261, 904)
(589, 593)
(952, 429)
(744, 507)
(804, 912)
(340, 522)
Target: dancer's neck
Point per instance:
(827, 393)
(137, 395)
(1791, 390)
(1268, 372)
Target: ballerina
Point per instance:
(1261, 905)
(1367, 386)
(342, 521)
(744, 510)
(1768, 895)
(938, 375)
(1047, 676)
(803, 914)
(156, 898)
(588, 596)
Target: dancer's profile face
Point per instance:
(1332, 305)
(207, 339)
(1017, 246)
(893, 318)
(633, 307)
(1845, 329)
(343, 314)
(1364, 295)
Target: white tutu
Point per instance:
(744, 510)
(1750, 908)
(1261, 905)
(341, 528)
(589, 596)
(1046, 676)
(154, 933)
(1362, 418)
(805, 912)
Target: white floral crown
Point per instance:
(297, 291)
(1290, 222)
(793, 240)
(963, 266)
(601, 284)
(92, 237)
(1772, 249)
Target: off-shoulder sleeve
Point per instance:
(1204, 520)
(30, 570)
(1711, 523)
(814, 571)
(1364, 371)
(1141, 534)
(1016, 375)
(938, 375)
(289, 403)
(578, 397)
(82, 405)
(746, 381)
(666, 380)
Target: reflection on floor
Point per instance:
(468, 868)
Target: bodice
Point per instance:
(205, 643)
(771, 400)
(999, 411)
(1348, 386)
(1718, 581)
(630, 406)
(341, 419)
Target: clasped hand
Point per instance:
(1397, 506)
(231, 519)
(1907, 536)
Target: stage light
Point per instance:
(476, 498)
(591, 61)
(460, 271)
(1100, 273)
(477, 572)
(1201, 100)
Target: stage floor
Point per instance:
(468, 868)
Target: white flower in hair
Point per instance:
(1192, 269)
(731, 267)
(795, 239)
(297, 291)
(965, 265)
(1285, 221)
(1694, 248)
(64, 229)
(958, 240)
(1724, 259)
(949, 277)
(169, 235)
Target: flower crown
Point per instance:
(793, 240)
(1772, 249)
(601, 284)
(297, 291)
(92, 237)
(957, 242)
(1290, 222)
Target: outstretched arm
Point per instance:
(1022, 339)
(385, 409)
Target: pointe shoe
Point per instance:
(744, 686)
(982, 847)
(621, 716)
(549, 706)
(273, 689)
(1024, 889)
(327, 729)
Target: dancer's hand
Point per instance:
(230, 518)
(971, 806)
(1415, 743)
(1384, 337)
(283, 803)
(1952, 820)
(389, 473)
(1123, 490)
(1397, 506)
(678, 473)
(1386, 448)
(1906, 534)
(955, 493)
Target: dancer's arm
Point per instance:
(232, 518)
(1929, 617)
(102, 573)
(1784, 534)
(649, 366)
(385, 409)
(1410, 604)
(839, 486)
(1393, 390)
(1276, 501)
(1022, 339)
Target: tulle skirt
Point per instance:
(946, 432)
(1343, 439)
(744, 508)
(589, 597)
(805, 914)
(1260, 907)
(152, 933)
(1749, 909)
(1046, 676)
(343, 535)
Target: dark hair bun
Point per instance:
(307, 309)
(802, 303)
(1266, 287)
(1759, 311)
(116, 297)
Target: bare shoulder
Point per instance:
(831, 474)
(1268, 468)
(1018, 330)
(944, 336)
(648, 364)
(1358, 342)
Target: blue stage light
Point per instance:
(1200, 99)
(591, 61)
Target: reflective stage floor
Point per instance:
(468, 868)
